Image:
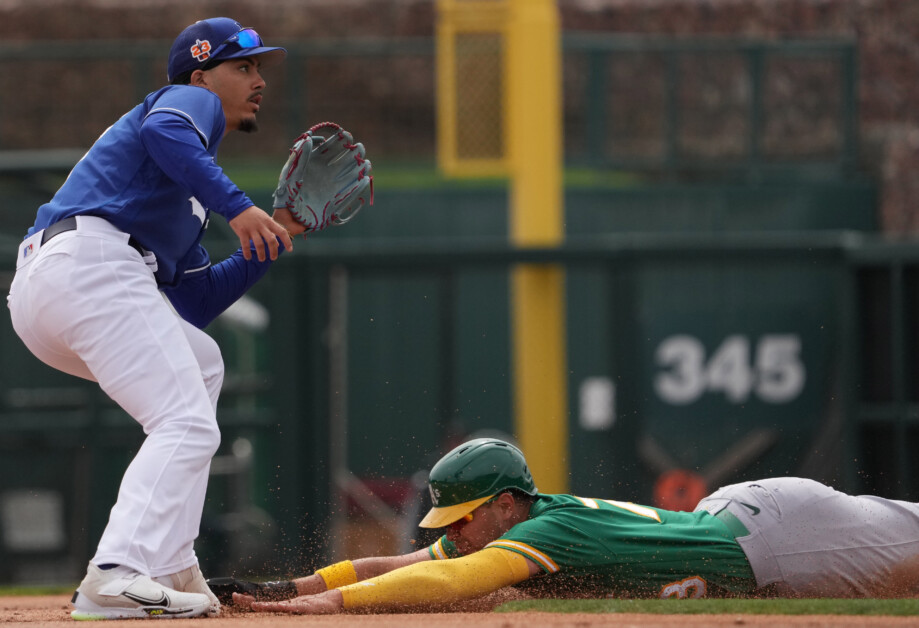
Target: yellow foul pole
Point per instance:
(537, 220)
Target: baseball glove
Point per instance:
(224, 588)
(326, 180)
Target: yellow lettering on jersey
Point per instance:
(692, 587)
(644, 511)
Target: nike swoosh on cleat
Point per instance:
(163, 601)
(753, 509)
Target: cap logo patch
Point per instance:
(201, 50)
(435, 495)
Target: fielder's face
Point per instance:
(239, 85)
(486, 525)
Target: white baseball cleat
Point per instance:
(122, 593)
(191, 580)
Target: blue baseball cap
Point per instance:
(216, 39)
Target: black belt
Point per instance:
(69, 224)
(734, 524)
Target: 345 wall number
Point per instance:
(775, 374)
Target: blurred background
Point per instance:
(740, 273)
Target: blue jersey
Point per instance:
(153, 175)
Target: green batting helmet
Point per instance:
(470, 475)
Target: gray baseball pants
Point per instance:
(807, 539)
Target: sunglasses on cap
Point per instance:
(246, 38)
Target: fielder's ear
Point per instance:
(198, 78)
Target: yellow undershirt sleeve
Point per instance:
(439, 581)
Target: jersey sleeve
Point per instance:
(553, 541)
(442, 549)
(200, 108)
(206, 290)
(177, 132)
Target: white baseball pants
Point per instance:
(86, 303)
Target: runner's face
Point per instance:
(485, 527)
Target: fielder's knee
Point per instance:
(209, 438)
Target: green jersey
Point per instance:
(598, 546)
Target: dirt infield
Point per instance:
(55, 611)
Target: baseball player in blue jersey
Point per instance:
(122, 232)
